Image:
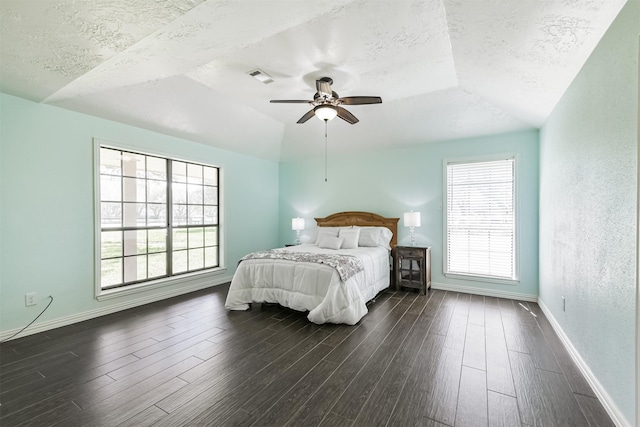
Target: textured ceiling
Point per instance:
(445, 69)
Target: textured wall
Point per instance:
(588, 209)
(391, 182)
(47, 202)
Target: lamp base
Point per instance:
(413, 236)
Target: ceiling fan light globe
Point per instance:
(325, 112)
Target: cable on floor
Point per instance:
(31, 323)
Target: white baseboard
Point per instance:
(114, 308)
(606, 400)
(486, 292)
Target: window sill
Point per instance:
(155, 284)
(488, 279)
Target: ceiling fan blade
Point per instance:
(290, 101)
(360, 100)
(324, 86)
(347, 116)
(306, 117)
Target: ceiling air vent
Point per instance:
(261, 76)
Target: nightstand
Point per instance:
(412, 267)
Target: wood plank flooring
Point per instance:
(444, 359)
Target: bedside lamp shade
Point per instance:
(297, 224)
(412, 220)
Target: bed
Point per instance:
(332, 278)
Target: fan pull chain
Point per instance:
(325, 150)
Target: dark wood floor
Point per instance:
(442, 359)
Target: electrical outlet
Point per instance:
(564, 305)
(30, 299)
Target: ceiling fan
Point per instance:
(327, 103)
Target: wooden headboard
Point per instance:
(361, 219)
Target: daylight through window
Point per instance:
(480, 221)
(158, 217)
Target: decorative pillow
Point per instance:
(350, 236)
(330, 242)
(322, 233)
(369, 237)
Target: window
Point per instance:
(158, 217)
(480, 219)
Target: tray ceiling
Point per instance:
(445, 69)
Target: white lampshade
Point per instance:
(325, 112)
(297, 224)
(412, 219)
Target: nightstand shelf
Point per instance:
(412, 268)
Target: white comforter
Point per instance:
(306, 286)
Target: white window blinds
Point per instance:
(480, 229)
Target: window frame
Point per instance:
(168, 280)
(516, 229)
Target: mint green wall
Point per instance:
(588, 209)
(47, 215)
(391, 182)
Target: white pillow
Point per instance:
(385, 237)
(313, 232)
(375, 236)
(350, 236)
(322, 233)
(330, 242)
(369, 237)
